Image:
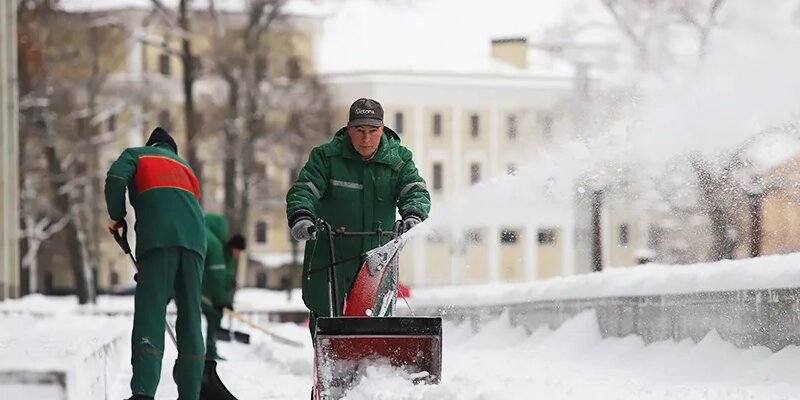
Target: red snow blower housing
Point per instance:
(365, 332)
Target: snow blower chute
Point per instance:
(363, 331)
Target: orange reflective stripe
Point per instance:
(156, 172)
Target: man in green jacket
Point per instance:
(219, 276)
(357, 180)
(170, 248)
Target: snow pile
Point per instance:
(250, 299)
(573, 362)
(269, 300)
(771, 272)
(63, 357)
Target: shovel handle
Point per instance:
(122, 239)
(247, 322)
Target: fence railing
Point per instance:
(764, 317)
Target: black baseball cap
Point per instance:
(365, 112)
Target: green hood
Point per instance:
(218, 226)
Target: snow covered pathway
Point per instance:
(502, 362)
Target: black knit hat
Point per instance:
(237, 242)
(159, 135)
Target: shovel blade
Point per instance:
(211, 387)
(225, 335)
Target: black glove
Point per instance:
(405, 225)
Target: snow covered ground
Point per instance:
(502, 362)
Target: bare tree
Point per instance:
(252, 95)
(180, 24)
(59, 135)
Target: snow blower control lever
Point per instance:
(341, 232)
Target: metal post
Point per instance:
(9, 202)
(597, 238)
(756, 233)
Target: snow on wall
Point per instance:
(59, 358)
(771, 272)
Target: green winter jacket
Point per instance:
(164, 193)
(346, 191)
(220, 264)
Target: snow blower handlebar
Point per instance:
(333, 289)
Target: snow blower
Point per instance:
(211, 387)
(362, 331)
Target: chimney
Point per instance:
(512, 50)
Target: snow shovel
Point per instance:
(211, 387)
(277, 338)
(363, 332)
(226, 335)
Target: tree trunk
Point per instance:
(231, 146)
(187, 59)
(64, 205)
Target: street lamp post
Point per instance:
(597, 234)
(755, 194)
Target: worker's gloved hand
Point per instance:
(304, 229)
(115, 226)
(404, 225)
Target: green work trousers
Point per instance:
(213, 321)
(167, 273)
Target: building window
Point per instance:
(437, 124)
(165, 120)
(197, 66)
(474, 125)
(473, 236)
(512, 127)
(111, 123)
(474, 173)
(164, 64)
(398, 122)
(624, 232)
(81, 124)
(511, 169)
(261, 67)
(437, 176)
(508, 236)
(293, 68)
(435, 237)
(48, 282)
(546, 122)
(261, 280)
(547, 237)
(261, 232)
(113, 279)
